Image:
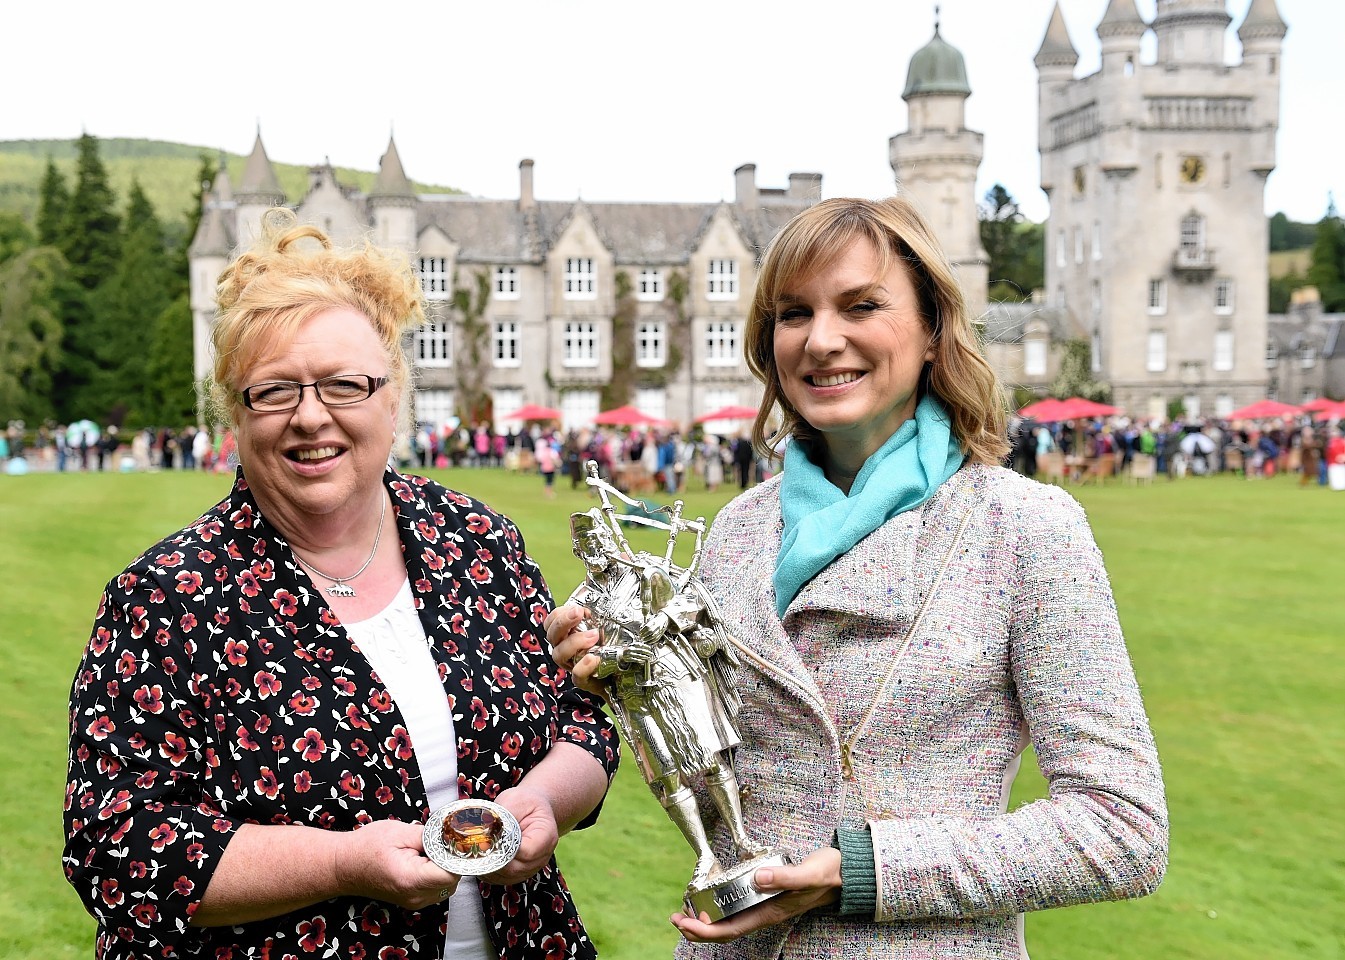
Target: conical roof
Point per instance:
(1263, 20)
(259, 177)
(1056, 49)
(392, 180)
(212, 234)
(1122, 19)
(937, 68)
(222, 187)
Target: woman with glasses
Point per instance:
(274, 698)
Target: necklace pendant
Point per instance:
(341, 590)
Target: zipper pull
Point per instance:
(847, 764)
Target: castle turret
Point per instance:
(1262, 35)
(257, 191)
(392, 201)
(936, 161)
(1120, 31)
(1191, 32)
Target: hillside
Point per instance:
(167, 173)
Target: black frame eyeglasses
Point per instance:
(274, 396)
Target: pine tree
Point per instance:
(15, 236)
(53, 207)
(1014, 245)
(90, 237)
(170, 390)
(30, 332)
(1327, 270)
(181, 261)
(128, 302)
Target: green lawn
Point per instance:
(1230, 594)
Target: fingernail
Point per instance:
(763, 878)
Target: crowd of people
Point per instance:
(85, 446)
(1252, 448)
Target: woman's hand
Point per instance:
(537, 822)
(386, 860)
(570, 644)
(815, 882)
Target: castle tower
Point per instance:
(1156, 240)
(392, 202)
(936, 161)
(258, 190)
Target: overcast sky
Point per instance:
(613, 100)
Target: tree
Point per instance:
(126, 306)
(181, 258)
(15, 236)
(53, 207)
(90, 235)
(1075, 378)
(30, 332)
(1014, 245)
(1327, 269)
(473, 367)
(1286, 234)
(170, 392)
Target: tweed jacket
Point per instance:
(1018, 644)
(219, 689)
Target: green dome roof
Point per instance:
(937, 67)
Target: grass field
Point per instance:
(1230, 593)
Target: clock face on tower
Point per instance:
(1193, 169)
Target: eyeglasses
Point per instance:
(275, 395)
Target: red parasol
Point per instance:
(1321, 403)
(1335, 411)
(626, 416)
(1043, 410)
(1077, 408)
(533, 412)
(1263, 410)
(734, 412)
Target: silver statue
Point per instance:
(671, 673)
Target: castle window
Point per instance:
(432, 344)
(650, 345)
(1223, 350)
(579, 407)
(1095, 351)
(1156, 357)
(506, 283)
(1078, 245)
(1158, 297)
(433, 407)
(580, 279)
(721, 343)
(506, 344)
(722, 280)
(652, 402)
(1272, 65)
(649, 285)
(1097, 239)
(1307, 358)
(434, 277)
(1272, 355)
(1034, 357)
(1096, 287)
(1193, 238)
(1223, 404)
(1060, 248)
(1223, 296)
(581, 344)
(1130, 66)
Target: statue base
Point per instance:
(732, 891)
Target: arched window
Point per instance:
(1193, 237)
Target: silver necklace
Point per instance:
(340, 585)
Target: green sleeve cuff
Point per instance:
(859, 880)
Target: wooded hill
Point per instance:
(166, 172)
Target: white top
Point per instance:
(394, 642)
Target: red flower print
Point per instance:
(303, 704)
(174, 748)
(247, 581)
(195, 853)
(264, 570)
(183, 887)
(372, 919)
(169, 666)
(553, 947)
(120, 804)
(144, 913)
(478, 524)
(403, 491)
(209, 530)
(479, 715)
(310, 682)
(162, 836)
(173, 559)
(233, 552)
(535, 705)
(359, 748)
(266, 683)
(137, 870)
(246, 741)
(356, 718)
(127, 580)
(285, 603)
(303, 781)
(205, 556)
(98, 643)
(352, 784)
(458, 624)
(383, 794)
(221, 618)
(162, 636)
(146, 779)
(479, 572)
(433, 560)
(381, 701)
(150, 698)
(427, 531)
(139, 621)
(232, 687)
(311, 745)
(312, 934)
(111, 893)
(511, 744)
(101, 728)
(485, 610)
(392, 953)
(452, 551)
(187, 622)
(503, 677)
(236, 652)
(156, 596)
(188, 581)
(267, 784)
(399, 744)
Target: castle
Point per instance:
(1157, 246)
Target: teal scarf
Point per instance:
(821, 522)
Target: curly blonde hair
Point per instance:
(959, 375)
(269, 290)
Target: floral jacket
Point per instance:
(219, 689)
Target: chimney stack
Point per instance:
(526, 200)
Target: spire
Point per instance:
(1056, 49)
(259, 177)
(1263, 21)
(1122, 19)
(391, 180)
(212, 235)
(221, 188)
(937, 68)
